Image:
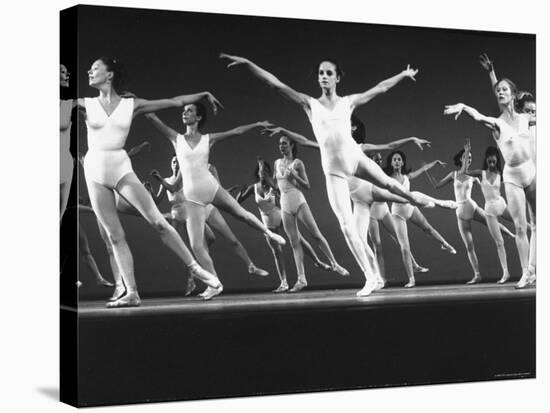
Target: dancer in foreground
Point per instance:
(66, 105)
(340, 156)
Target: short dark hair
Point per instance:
(388, 168)
(492, 151)
(119, 72)
(359, 134)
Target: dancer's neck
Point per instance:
(192, 129)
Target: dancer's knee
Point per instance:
(116, 236)
(161, 226)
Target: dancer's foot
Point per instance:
(252, 269)
(380, 284)
(410, 284)
(195, 270)
(299, 286)
(419, 268)
(532, 279)
(474, 280)
(275, 237)
(322, 265)
(523, 281)
(449, 248)
(190, 287)
(210, 293)
(369, 287)
(283, 288)
(102, 282)
(118, 293)
(129, 300)
(505, 277)
(447, 204)
(340, 270)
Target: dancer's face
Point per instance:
(531, 109)
(327, 77)
(64, 76)
(99, 74)
(189, 115)
(284, 145)
(491, 162)
(396, 162)
(175, 165)
(377, 158)
(504, 93)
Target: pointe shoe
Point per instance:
(210, 293)
(102, 282)
(447, 204)
(129, 300)
(430, 204)
(322, 265)
(410, 284)
(419, 268)
(523, 281)
(190, 287)
(504, 278)
(380, 284)
(283, 288)
(369, 287)
(299, 286)
(449, 248)
(252, 269)
(476, 279)
(532, 279)
(276, 237)
(195, 270)
(340, 270)
(118, 293)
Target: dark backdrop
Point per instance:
(170, 53)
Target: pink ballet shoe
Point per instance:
(410, 284)
(505, 277)
(118, 293)
(299, 286)
(102, 282)
(523, 281)
(476, 279)
(447, 204)
(419, 268)
(210, 293)
(252, 269)
(449, 248)
(368, 289)
(129, 300)
(340, 270)
(195, 270)
(283, 288)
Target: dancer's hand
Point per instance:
(214, 102)
(272, 131)
(486, 62)
(234, 60)
(419, 142)
(454, 110)
(409, 72)
(265, 124)
(438, 162)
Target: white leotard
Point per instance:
(65, 159)
(515, 144)
(463, 196)
(340, 153)
(269, 211)
(106, 161)
(291, 196)
(494, 202)
(403, 211)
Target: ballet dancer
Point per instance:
(108, 170)
(341, 157)
(200, 188)
(514, 138)
(66, 105)
(490, 177)
(396, 167)
(467, 210)
(266, 196)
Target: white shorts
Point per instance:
(403, 211)
(466, 209)
(291, 201)
(379, 210)
(106, 167)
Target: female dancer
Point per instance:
(200, 188)
(495, 206)
(515, 141)
(340, 155)
(396, 167)
(266, 196)
(66, 106)
(108, 170)
(467, 210)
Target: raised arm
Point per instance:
(441, 182)
(245, 193)
(359, 99)
(487, 64)
(148, 106)
(425, 168)
(138, 148)
(165, 130)
(293, 136)
(369, 147)
(458, 108)
(272, 81)
(172, 187)
(238, 131)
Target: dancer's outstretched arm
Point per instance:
(238, 131)
(359, 99)
(487, 64)
(172, 187)
(425, 168)
(458, 108)
(245, 193)
(138, 148)
(369, 147)
(296, 137)
(165, 130)
(441, 182)
(476, 173)
(148, 106)
(300, 98)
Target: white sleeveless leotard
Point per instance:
(66, 161)
(494, 202)
(340, 154)
(106, 161)
(403, 211)
(269, 211)
(199, 185)
(360, 191)
(291, 197)
(463, 196)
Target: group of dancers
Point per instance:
(358, 186)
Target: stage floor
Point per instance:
(311, 299)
